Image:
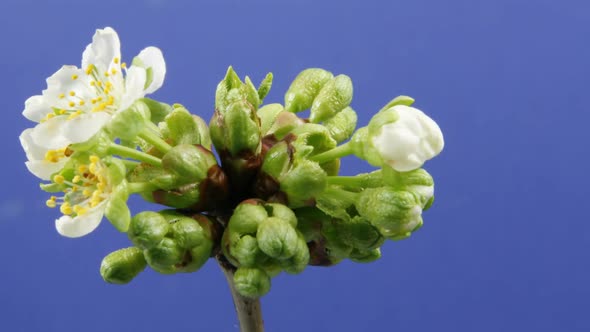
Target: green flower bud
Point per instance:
(282, 212)
(334, 96)
(396, 214)
(121, 266)
(236, 130)
(128, 123)
(147, 229)
(157, 109)
(264, 87)
(251, 282)
(303, 182)
(246, 251)
(305, 88)
(277, 238)
(184, 128)
(297, 263)
(360, 234)
(188, 163)
(231, 89)
(247, 216)
(365, 256)
(342, 125)
(188, 233)
(165, 255)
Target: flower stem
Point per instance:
(347, 181)
(337, 152)
(124, 151)
(341, 194)
(149, 136)
(248, 310)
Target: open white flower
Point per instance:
(42, 162)
(78, 102)
(408, 141)
(85, 200)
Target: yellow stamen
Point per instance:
(82, 169)
(51, 202)
(76, 179)
(65, 208)
(74, 77)
(71, 104)
(61, 96)
(113, 71)
(59, 179)
(89, 69)
(116, 60)
(72, 93)
(82, 102)
(94, 159)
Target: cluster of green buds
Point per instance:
(271, 200)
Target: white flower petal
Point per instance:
(44, 169)
(81, 225)
(104, 48)
(36, 108)
(49, 134)
(62, 83)
(33, 151)
(152, 57)
(134, 86)
(82, 128)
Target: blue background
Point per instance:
(504, 248)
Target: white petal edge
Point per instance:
(36, 108)
(104, 48)
(33, 151)
(83, 127)
(134, 86)
(49, 134)
(81, 225)
(152, 57)
(44, 169)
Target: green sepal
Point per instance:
(282, 212)
(128, 123)
(334, 96)
(188, 233)
(304, 89)
(365, 256)
(147, 229)
(97, 145)
(312, 139)
(158, 110)
(299, 261)
(247, 216)
(277, 238)
(251, 282)
(181, 127)
(246, 251)
(360, 234)
(188, 163)
(116, 210)
(396, 214)
(268, 114)
(399, 100)
(164, 255)
(277, 160)
(264, 87)
(341, 126)
(121, 266)
(303, 182)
